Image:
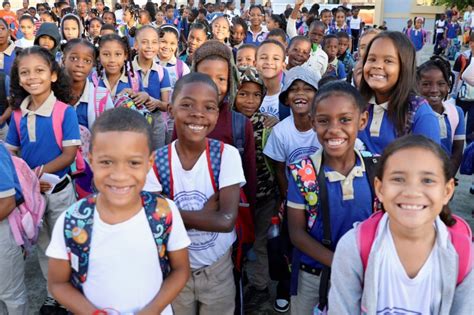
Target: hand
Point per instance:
(270, 121)
(151, 104)
(44, 186)
(299, 3)
(128, 91)
(140, 98)
(39, 171)
(212, 204)
(147, 311)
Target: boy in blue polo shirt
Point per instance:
(338, 113)
(155, 80)
(12, 265)
(7, 48)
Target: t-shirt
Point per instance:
(288, 144)
(453, 30)
(355, 23)
(440, 26)
(270, 105)
(172, 67)
(192, 188)
(25, 43)
(399, 294)
(124, 269)
(9, 185)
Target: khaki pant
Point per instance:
(13, 297)
(209, 290)
(55, 205)
(308, 294)
(159, 130)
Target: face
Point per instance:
(195, 111)
(120, 161)
(143, 19)
(433, 87)
(246, 57)
(94, 28)
(340, 18)
(316, 35)
(112, 56)
(127, 16)
(218, 70)
(71, 29)
(4, 34)
(238, 34)
(355, 13)
(32, 11)
(159, 17)
(78, 62)
(357, 73)
(36, 76)
(27, 28)
(46, 42)
(363, 43)
(300, 97)
(413, 189)
(147, 44)
(99, 6)
(382, 68)
(169, 13)
(270, 61)
(298, 53)
(220, 29)
(46, 18)
(343, 45)
(418, 24)
(249, 98)
(168, 44)
(326, 18)
(271, 24)
(256, 17)
(108, 18)
(337, 121)
(82, 7)
(331, 47)
(196, 38)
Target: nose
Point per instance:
(119, 172)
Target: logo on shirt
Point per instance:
(397, 311)
(300, 153)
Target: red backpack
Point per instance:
(460, 234)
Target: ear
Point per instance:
(54, 77)
(378, 189)
(170, 110)
(363, 120)
(151, 160)
(448, 191)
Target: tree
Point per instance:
(462, 4)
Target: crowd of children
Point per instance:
(148, 153)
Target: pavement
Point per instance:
(462, 204)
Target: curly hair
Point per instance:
(123, 41)
(61, 88)
(437, 63)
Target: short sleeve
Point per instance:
(152, 184)
(165, 83)
(426, 123)
(460, 132)
(231, 172)
(57, 245)
(294, 197)
(71, 136)
(275, 147)
(178, 237)
(185, 69)
(13, 140)
(7, 184)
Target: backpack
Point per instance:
(26, 219)
(453, 116)
(467, 163)
(460, 234)
(414, 103)
(78, 225)
(179, 68)
(214, 148)
(57, 116)
(466, 91)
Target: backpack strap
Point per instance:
(238, 131)
(461, 237)
(163, 170)
(371, 163)
(95, 78)
(100, 100)
(161, 72)
(17, 119)
(214, 149)
(453, 117)
(58, 118)
(365, 235)
(179, 68)
(133, 79)
(414, 103)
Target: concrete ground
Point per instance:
(462, 204)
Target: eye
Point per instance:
(105, 162)
(427, 180)
(321, 121)
(397, 179)
(135, 163)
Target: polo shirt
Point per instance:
(452, 30)
(38, 145)
(349, 199)
(122, 83)
(172, 67)
(255, 38)
(7, 57)
(7, 93)
(417, 37)
(85, 115)
(151, 80)
(9, 185)
(380, 130)
(446, 130)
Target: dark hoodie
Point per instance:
(51, 30)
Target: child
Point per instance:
(156, 81)
(198, 34)
(338, 113)
(318, 61)
(388, 85)
(107, 29)
(71, 27)
(335, 66)
(326, 18)
(256, 34)
(109, 18)
(248, 100)
(299, 51)
(48, 37)
(355, 25)
(120, 156)
(170, 16)
(13, 292)
(95, 25)
(78, 61)
(279, 35)
(31, 133)
(413, 264)
(130, 24)
(246, 55)
(270, 64)
(238, 32)
(208, 208)
(27, 26)
(434, 83)
(344, 53)
(453, 30)
(221, 30)
(159, 19)
(292, 139)
(364, 40)
(7, 47)
(418, 37)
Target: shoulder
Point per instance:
(230, 151)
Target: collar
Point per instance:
(9, 49)
(257, 33)
(45, 110)
(374, 102)
(317, 158)
(136, 66)
(169, 63)
(85, 94)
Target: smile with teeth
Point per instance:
(405, 206)
(301, 103)
(377, 76)
(120, 190)
(335, 142)
(196, 127)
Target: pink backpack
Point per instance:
(25, 220)
(460, 233)
(58, 118)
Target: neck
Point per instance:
(131, 23)
(341, 164)
(382, 97)
(189, 151)
(38, 100)
(113, 78)
(273, 85)
(256, 29)
(302, 121)
(4, 46)
(113, 214)
(77, 88)
(144, 63)
(424, 233)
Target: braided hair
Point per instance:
(437, 63)
(123, 41)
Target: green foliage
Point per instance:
(462, 4)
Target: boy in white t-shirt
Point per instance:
(203, 176)
(135, 239)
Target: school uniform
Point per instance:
(85, 107)
(350, 200)
(380, 130)
(12, 265)
(446, 130)
(154, 86)
(255, 38)
(38, 147)
(3, 107)
(123, 83)
(7, 57)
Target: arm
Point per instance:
(301, 239)
(291, 23)
(61, 162)
(456, 155)
(280, 176)
(218, 214)
(7, 205)
(172, 285)
(6, 114)
(62, 290)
